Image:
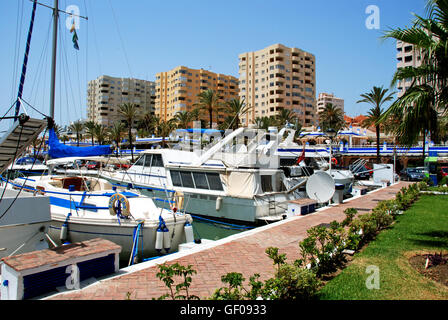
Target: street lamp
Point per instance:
(331, 133)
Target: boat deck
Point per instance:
(244, 252)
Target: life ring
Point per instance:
(124, 203)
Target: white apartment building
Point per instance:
(105, 94)
(276, 78)
(325, 98)
(407, 56)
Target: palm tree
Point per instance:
(100, 133)
(234, 109)
(90, 129)
(116, 133)
(63, 138)
(209, 100)
(129, 113)
(77, 127)
(286, 116)
(427, 97)
(165, 128)
(376, 97)
(183, 118)
(331, 117)
(147, 123)
(57, 130)
(265, 122)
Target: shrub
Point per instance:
(234, 289)
(290, 282)
(322, 250)
(428, 181)
(443, 181)
(168, 272)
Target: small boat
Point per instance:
(84, 208)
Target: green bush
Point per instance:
(322, 250)
(428, 181)
(443, 181)
(290, 282)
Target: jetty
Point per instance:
(244, 253)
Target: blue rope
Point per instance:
(135, 241)
(228, 225)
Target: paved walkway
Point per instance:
(243, 253)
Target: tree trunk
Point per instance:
(378, 144)
(210, 111)
(424, 144)
(130, 143)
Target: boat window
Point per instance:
(140, 161)
(187, 179)
(148, 160)
(175, 178)
(157, 160)
(266, 183)
(214, 181)
(200, 180)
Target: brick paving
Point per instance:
(244, 253)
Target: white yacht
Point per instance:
(231, 181)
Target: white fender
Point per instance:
(159, 240)
(218, 203)
(189, 237)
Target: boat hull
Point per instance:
(122, 234)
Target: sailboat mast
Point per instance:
(53, 60)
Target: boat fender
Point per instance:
(218, 203)
(188, 228)
(162, 236)
(124, 202)
(64, 229)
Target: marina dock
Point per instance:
(244, 253)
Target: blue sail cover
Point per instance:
(60, 150)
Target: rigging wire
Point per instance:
(121, 39)
(18, 41)
(38, 75)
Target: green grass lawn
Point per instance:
(421, 229)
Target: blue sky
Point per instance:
(138, 38)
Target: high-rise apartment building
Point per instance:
(325, 98)
(178, 89)
(105, 94)
(276, 78)
(407, 56)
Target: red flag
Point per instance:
(302, 156)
